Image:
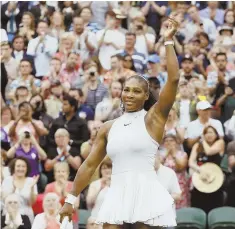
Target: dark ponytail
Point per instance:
(150, 102)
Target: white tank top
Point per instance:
(130, 147)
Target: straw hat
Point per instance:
(211, 183)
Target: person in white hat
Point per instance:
(196, 127)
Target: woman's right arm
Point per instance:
(87, 169)
(11, 152)
(193, 159)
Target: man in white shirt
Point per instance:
(3, 35)
(195, 128)
(167, 177)
(42, 48)
(198, 24)
(109, 40)
(86, 43)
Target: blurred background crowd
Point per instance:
(63, 65)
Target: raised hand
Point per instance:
(35, 180)
(170, 31)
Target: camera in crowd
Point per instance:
(140, 27)
(27, 134)
(92, 73)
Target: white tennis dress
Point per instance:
(135, 194)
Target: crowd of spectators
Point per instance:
(63, 66)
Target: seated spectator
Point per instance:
(47, 219)
(154, 11)
(27, 27)
(61, 186)
(94, 90)
(63, 152)
(129, 49)
(172, 126)
(185, 106)
(86, 42)
(21, 95)
(177, 160)
(229, 19)
(10, 18)
(39, 110)
(144, 39)
(230, 127)
(128, 62)
(153, 66)
(76, 126)
(230, 182)
(86, 14)
(117, 72)
(65, 46)
(187, 69)
(20, 183)
(209, 149)
(53, 75)
(83, 111)
(53, 99)
(10, 63)
(69, 73)
(199, 57)
(24, 122)
(198, 24)
(109, 40)
(218, 79)
(25, 78)
(42, 11)
(42, 48)
(11, 216)
(110, 108)
(28, 147)
(57, 28)
(68, 9)
(213, 12)
(98, 189)
(195, 128)
(19, 52)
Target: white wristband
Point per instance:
(70, 199)
(169, 43)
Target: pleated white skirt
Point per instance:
(137, 197)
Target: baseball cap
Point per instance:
(225, 27)
(203, 105)
(187, 57)
(118, 14)
(154, 59)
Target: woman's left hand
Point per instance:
(35, 180)
(171, 29)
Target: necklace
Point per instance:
(130, 117)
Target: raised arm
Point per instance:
(158, 114)
(88, 168)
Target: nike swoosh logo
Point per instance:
(127, 124)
